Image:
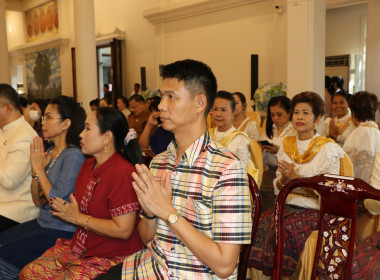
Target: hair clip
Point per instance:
(131, 135)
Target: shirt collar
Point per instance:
(13, 124)
(193, 152)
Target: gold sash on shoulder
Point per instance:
(253, 169)
(342, 128)
(290, 148)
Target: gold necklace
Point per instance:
(54, 159)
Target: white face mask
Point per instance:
(34, 116)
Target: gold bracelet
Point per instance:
(86, 222)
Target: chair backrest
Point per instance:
(246, 248)
(337, 223)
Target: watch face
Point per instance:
(172, 219)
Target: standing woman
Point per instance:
(54, 174)
(36, 112)
(105, 206)
(340, 126)
(241, 121)
(363, 143)
(304, 155)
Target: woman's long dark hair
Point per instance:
(285, 103)
(110, 119)
(69, 109)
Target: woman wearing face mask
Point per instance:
(305, 155)
(104, 209)
(340, 126)
(54, 174)
(226, 134)
(37, 110)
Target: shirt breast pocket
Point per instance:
(199, 214)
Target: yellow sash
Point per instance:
(342, 128)
(252, 169)
(290, 148)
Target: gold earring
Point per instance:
(105, 148)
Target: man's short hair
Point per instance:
(94, 102)
(9, 93)
(137, 84)
(136, 98)
(197, 77)
(23, 101)
(106, 86)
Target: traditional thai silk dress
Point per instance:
(345, 127)
(301, 216)
(362, 145)
(239, 144)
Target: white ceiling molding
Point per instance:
(191, 8)
(106, 38)
(334, 4)
(44, 44)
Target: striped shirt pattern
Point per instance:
(210, 190)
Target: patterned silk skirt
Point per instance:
(299, 223)
(59, 262)
(366, 262)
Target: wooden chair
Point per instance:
(337, 225)
(246, 248)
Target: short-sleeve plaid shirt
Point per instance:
(210, 190)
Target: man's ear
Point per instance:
(201, 102)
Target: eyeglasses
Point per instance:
(47, 118)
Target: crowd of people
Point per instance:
(145, 189)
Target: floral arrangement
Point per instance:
(264, 93)
(149, 93)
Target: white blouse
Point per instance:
(327, 160)
(373, 206)
(362, 145)
(339, 122)
(269, 158)
(239, 145)
(250, 129)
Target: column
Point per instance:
(306, 46)
(85, 52)
(5, 76)
(373, 47)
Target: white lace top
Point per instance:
(362, 145)
(269, 158)
(327, 160)
(250, 129)
(239, 146)
(339, 122)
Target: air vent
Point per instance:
(337, 60)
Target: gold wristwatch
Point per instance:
(172, 219)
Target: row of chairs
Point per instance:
(337, 225)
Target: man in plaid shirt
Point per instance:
(195, 197)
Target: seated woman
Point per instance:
(54, 174)
(155, 139)
(241, 121)
(364, 141)
(366, 260)
(278, 125)
(304, 155)
(340, 126)
(104, 207)
(227, 135)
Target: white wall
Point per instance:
(225, 40)
(343, 30)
